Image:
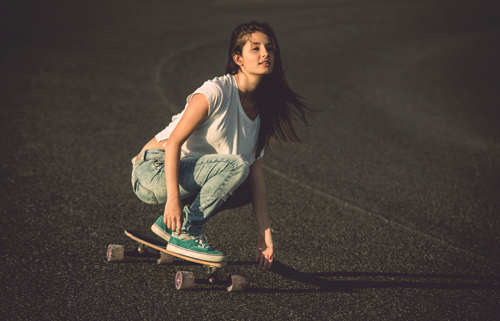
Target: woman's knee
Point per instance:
(144, 194)
(240, 167)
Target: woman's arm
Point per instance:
(265, 248)
(196, 112)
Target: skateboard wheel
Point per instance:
(116, 253)
(165, 258)
(237, 283)
(184, 280)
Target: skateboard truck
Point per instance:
(185, 280)
(211, 270)
(141, 248)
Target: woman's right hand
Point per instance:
(172, 217)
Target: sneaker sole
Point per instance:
(195, 255)
(160, 232)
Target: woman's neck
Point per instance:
(247, 84)
(247, 87)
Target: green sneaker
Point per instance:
(160, 229)
(195, 247)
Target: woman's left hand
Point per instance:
(265, 251)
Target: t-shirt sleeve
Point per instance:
(213, 93)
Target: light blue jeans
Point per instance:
(205, 183)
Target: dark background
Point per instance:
(389, 210)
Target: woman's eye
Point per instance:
(255, 49)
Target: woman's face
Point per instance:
(257, 55)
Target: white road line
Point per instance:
(362, 211)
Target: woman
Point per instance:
(212, 151)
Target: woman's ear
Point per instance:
(238, 60)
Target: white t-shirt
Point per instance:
(227, 129)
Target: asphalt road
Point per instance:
(388, 211)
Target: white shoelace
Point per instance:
(202, 241)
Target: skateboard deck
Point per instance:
(161, 246)
(183, 279)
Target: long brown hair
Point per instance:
(279, 106)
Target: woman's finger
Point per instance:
(269, 262)
(179, 226)
(266, 264)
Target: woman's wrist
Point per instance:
(265, 231)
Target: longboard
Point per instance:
(183, 279)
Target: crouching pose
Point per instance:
(209, 158)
